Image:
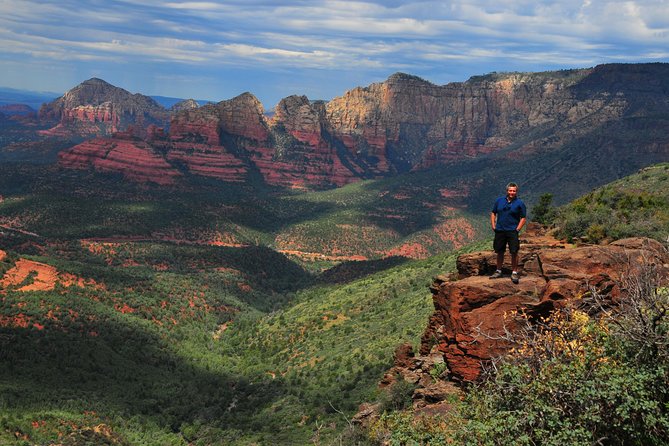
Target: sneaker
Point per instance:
(496, 275)
(514, 277)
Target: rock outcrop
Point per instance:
(186, 104)
(135, 159)
(97, 108)
(472, 313)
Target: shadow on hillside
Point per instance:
(352, 270)
(255, 275)
(125, 372)
(416, 201)
(68, 204)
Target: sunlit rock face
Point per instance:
(136, 160)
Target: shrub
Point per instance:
(397, 396)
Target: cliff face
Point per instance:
(137, 160)
(186, 104)
(407, 123)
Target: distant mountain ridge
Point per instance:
(33, 99)
(402, 124)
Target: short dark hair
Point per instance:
(512, 185)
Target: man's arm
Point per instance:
(523, 218)
(521, 223)
(492, 220)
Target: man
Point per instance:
(507, 219)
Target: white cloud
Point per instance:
(353, 36)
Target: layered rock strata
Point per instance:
(406, 123)
(137, 160)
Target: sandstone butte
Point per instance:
(404, 123)
(96, 107)
(468, 324)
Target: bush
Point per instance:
(398, 395)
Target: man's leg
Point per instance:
(500, 260)
(499, 245)
(514, 247)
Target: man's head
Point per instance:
(511, 190)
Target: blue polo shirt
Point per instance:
(508, 213)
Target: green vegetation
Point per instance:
(175, 320)
(573, 380)
(180, 323)
(635, 206)
(183, 356)
(543, 212)
(368, 219)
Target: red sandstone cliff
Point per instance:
(137, 160)
(469, 313)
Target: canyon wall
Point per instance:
(402, 124)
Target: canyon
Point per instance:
(400, 125)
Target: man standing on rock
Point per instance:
(507, 218)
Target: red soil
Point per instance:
(45, 277)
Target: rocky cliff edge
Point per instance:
(471, 317)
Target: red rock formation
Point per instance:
(402, 124)
(198, 125)
(469, 316)
(408, 121)
(288, 150)
(135, 159)
(472, 314)
(208, 161)
(95, 107)
(300, 156)
(85, 120)
(243, 116)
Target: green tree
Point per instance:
(543, 212)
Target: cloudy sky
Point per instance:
(216, 50)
